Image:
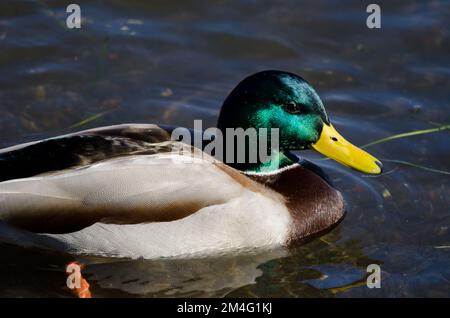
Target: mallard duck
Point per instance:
(120, 191)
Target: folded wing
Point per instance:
(125, 190)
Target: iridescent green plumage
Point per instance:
(275, 99)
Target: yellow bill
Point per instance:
(334, 146)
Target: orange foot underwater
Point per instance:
(76, 282)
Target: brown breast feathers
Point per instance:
(315, 206)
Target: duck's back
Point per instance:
(81, 148)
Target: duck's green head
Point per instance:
(276, 99)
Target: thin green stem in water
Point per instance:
(408, 134)
(415, 166)
(88, 120)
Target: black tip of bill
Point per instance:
(380, 165)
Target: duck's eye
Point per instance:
(292, 108)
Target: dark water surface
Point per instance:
(175, 61)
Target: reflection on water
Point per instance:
(213, 277)
(171, 63)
